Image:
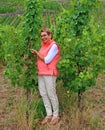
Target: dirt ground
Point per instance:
(8, 97)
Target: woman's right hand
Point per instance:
(33, 51)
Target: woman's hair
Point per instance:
(47, 31)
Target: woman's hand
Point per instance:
(38, 54)
(34, 51)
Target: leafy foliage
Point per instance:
(81, 44)
(31, 27)
(5, 8)
(21, 67)
(11, 20)
(12, 49)
(51, 5)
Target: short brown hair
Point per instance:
(47, 31)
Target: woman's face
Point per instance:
(45, 37)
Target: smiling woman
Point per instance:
(48, 57)
(46, 35)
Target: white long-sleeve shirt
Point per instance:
(51, 54)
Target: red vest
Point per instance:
(48, 69)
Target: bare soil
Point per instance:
(8, 97)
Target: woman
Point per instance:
(48, 57)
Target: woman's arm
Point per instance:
(50, 56)
(37, 53)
